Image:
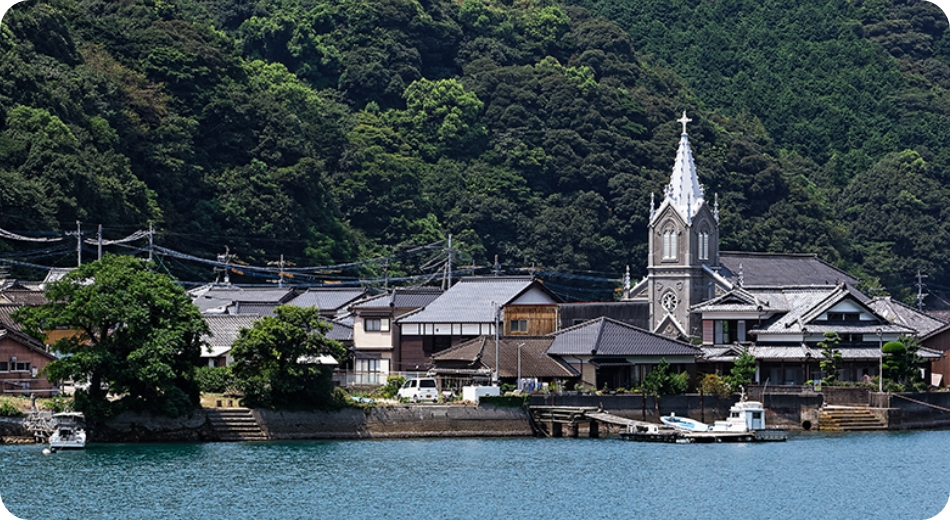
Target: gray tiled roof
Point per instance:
(896, 312)
(341, 331)
(607, 337)
(775, 270)
(479, 353)
(470, 300)
(23, 296)
(5, 320)
(328, 299)
(209, 298)
(224, 330)
(399, 298)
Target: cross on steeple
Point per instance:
(684, 120)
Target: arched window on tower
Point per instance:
(704, 245)
(669, 244)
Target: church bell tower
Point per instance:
(684, 248)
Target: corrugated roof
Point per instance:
(471, 300)
(775, 269)
(607, 337)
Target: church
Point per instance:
(776, 306)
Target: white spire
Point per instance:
(684, 191)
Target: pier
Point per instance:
(551, 420)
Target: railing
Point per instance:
(348, 378)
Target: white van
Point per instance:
(423, 389)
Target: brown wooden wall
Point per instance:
(10, 348)
(940, 342)
(542, 319)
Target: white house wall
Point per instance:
(533, 296)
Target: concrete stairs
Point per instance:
(235, 425)
(838, 419)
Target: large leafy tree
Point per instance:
(137, 336)
(276, 362)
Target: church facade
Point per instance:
(778, 307)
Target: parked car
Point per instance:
(422, 389)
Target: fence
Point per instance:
(349, 378)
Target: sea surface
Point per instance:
(888, 475)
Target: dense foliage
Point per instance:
(333, 130)
(831, 358)
(276, 361)
(137, 337)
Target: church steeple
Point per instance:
(684, 191)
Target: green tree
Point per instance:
(138, 336)
(901, 364)
(662, 381)
(275, 361)
(831, 358)
(743, 370)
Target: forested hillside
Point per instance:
(339, 130)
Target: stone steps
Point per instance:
(849, 419)
(235, 425)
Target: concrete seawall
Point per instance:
(400, 421)
(403, 421)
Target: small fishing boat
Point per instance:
(68, 431)
(744, 416)
(685, 424)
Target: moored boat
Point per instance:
(68, 431)
(684, 424)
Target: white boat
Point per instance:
(684, 424)
(68, 431)
(744, 416)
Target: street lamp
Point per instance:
(497, 360)
(880, 348)
(519, 365)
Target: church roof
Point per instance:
(683, 192)
(780, 269)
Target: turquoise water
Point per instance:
(890, 475)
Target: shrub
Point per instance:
(215, 380)
(713, 384)
(59, 404)
(7, 409)
(393, 384)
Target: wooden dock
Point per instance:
(550, 421)
(683, 437)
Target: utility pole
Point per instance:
(448, 265)
(920, 291)
(78, 234)
(99, 239)
(151, 241)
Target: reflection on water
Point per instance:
(812, 476)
